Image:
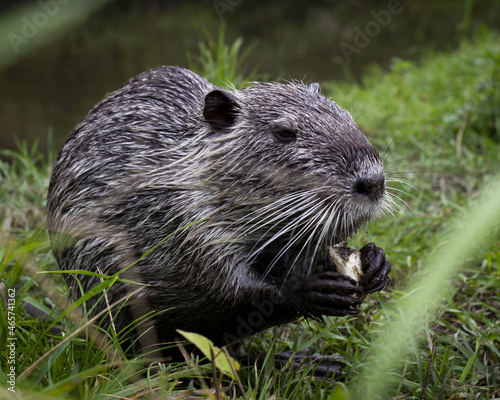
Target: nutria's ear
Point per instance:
(221, 109)
(314, 87)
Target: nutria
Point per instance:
(232, 196)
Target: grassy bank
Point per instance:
(440, 123)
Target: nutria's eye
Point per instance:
(285, 135)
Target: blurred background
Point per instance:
(60, 57)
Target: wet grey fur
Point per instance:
(272, 174)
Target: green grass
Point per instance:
(440, 120)
(220, 63)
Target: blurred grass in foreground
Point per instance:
(410, 315)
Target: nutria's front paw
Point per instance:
(376, 268)
(330, 293)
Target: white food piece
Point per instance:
(347, 261)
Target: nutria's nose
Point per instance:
(372, 187)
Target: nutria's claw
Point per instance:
(376, 268)
(331, 293)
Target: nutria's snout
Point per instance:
(371, 187)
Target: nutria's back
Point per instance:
(269, 175)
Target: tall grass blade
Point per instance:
(468, 234)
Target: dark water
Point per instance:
(52, 89)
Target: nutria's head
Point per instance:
(288, 167)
